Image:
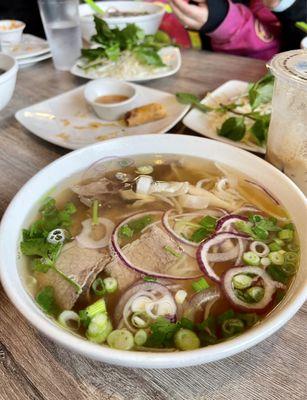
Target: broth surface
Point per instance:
(182, 182)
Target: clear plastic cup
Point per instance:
(61, 24)
(287, 137)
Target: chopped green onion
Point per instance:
(98, 287)
(225, 315)
(286, 234)
(69, 320)
(110, 284)
(280, 242)
(121, 339)
(288, 268)
(149, 279)
(293, 247)
(99, 328)
(96, 308)
(242, 281)
(140, 320)
(144, 169)
(249, 318)
(185, 339)
(251, 258)
(140, 338)
(232, 326)
(95, 212)
(277, 274)
(171, 251)
(274, 246)
(291, 257)
(200, 285)
(277, 258)
(265, 261)
(256, 293)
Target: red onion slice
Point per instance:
(269, 288)
(264, 190)
(225, 223)
(203, 251)
(199, 301)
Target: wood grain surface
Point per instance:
(33, 367)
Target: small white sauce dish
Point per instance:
(11, 31)
(108, 87)
(7, 79)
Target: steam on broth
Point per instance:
(160, 252)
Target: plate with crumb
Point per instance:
(68, 120)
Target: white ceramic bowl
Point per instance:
(304, 43)
(149, 23)
(7, 79)
(104, 87)
(11, 35)
(25, 205)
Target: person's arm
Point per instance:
(233, 28)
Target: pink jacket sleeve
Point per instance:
(251, 32)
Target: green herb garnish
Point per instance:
(135, 226)
(162, 333)
(149, 279)
(171, 251)
(112, 42)
(45, 299)
(234, 128)
(200, 285)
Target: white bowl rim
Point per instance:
(11, 71)
(159, 11)
(134, 358)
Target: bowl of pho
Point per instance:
(118, 14)
(8, 76)
(156, 251)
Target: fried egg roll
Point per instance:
(144, 114)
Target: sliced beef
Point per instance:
(80, 264)
(147, 252)
(97, 188)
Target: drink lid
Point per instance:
(291, 65)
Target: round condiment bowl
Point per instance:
(10, 35)
(25, 205)
(105, 87)
(149, 23)
(7, 78)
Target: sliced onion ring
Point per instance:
(203, 251)
(264, 190)
(199, 301)
(269, 288)
(225, 223)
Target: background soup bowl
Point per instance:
(149, 23)
(26, 203)
(7, 79)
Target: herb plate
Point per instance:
(206, 124)
(68, 121)
(170, 55)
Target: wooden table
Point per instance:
(33, 367)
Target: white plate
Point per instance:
(28, 62)
(170, 55)
(30, 46)
(68, 121)
(204, 123)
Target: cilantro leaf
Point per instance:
(200, 285)
(260, 131)
(45, 299)
(162, 333)
(261, 91)
(233, 128)
(149, 56)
